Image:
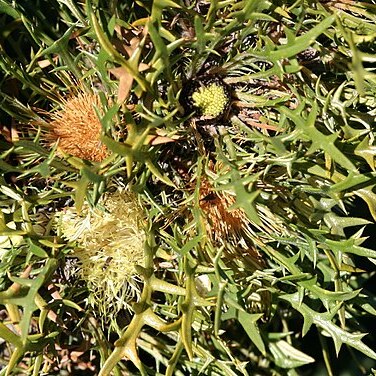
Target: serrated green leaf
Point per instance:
(248, 322)
(38, 251)
(367, 151)
(91, 175)
(286, 356)
(112, 53)
(369, 197)
(166, 4)
(188, 310)
(158, 174)
(191, 244)
(51, 244)
(8, 9)
(300, 43)
(350, 246)
(349, 182)
(324, 322)
(337, 224)
(318, 139)
(244, 199)
(9, 336)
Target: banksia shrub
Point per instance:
(246, 131)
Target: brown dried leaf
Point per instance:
(127, 43)
(143, 67)
(128, 40)
(14, 134)
(125, 82)
(160, 138)
(46, 62)
(6, 133)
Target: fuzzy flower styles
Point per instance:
(77, 128)
(110, 243)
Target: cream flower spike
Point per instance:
(110, 243)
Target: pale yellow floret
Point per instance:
(211, 100)
(111, 243)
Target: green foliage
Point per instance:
(256, 223)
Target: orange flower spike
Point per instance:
(77, 128)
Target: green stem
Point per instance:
(218, 308)
(14, 314)
(325, 354)
(9, 336)
(125, 347)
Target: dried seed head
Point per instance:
(221, 223)
(110, 244)
(77, 128)
(228, 226)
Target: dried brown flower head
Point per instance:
(220, 222)
(225, 225)
(77, 128)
